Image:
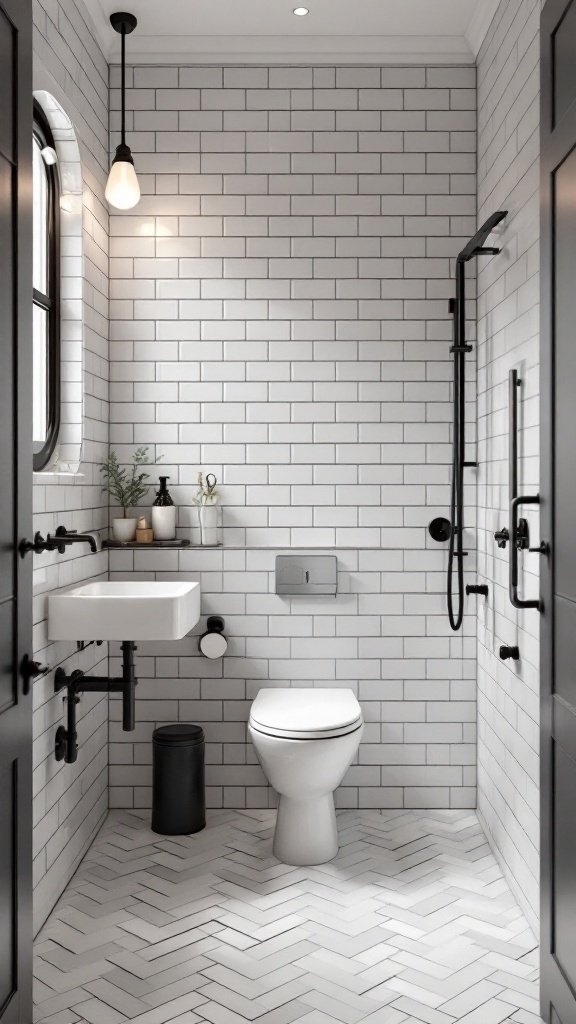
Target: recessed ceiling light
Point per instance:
(301, 11)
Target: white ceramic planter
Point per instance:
(208, 519)
(124, 529)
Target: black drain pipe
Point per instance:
(66, 747)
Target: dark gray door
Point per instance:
(15, 509)
(558, 493)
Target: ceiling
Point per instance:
(265, 31)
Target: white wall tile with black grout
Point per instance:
(279, 316)
(508, 694)
(414, 679)
(70, 801)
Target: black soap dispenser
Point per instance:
(164, 513)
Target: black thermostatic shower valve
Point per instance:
(502, 537)
(509, 653)
(477, 588)
(440, 529)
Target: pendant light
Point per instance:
(122, 188)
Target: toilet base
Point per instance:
(306, 831)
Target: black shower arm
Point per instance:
(475, 247)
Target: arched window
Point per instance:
(46, 285)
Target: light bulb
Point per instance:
(301, 11)
(122, 188)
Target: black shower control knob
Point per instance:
(507, 653)
(477, 588)
(440, 529)
(502, 537)
(522, 535)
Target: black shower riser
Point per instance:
(459, 348)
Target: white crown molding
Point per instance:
(480, 23)
(223, 49)
(100, 21)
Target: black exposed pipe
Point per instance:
(475, 247)
(66, 747)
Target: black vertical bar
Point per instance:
(458, 450)
(123, 85)
(129, 686)
(513, 385)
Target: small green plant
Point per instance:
(126, 487)
(206, 493)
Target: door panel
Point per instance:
(7, 48)
(565, 667)
(563, 57)
(7, 907)
(7, 680)
(7, 396)
(564, 182)
(558, 504)
(564, 866)
(15, 510)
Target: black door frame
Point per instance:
(558, 1000)
(17, 739)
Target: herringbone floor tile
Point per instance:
(412, 923)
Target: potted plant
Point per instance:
(127, 487)
(205, 499)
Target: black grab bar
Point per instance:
(519, 536)
(515, 546)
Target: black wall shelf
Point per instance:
(119, 545)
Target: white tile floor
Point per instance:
(411, 924)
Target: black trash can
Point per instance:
(178, 796)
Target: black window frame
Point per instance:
(50, 300)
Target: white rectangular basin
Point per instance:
(123, 611)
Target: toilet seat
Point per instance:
(305, 714)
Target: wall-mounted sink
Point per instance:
(123, 611)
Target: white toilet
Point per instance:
(305, 741)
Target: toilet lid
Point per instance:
(305, 713)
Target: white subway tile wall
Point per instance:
(279, 316)
(508, 694)
(384, 636)
(70, 801)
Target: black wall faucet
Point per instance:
(60, 541)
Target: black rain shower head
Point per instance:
(475, 247)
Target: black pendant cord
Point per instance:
(123, 85)
(124, 24)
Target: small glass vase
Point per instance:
(208, 519)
